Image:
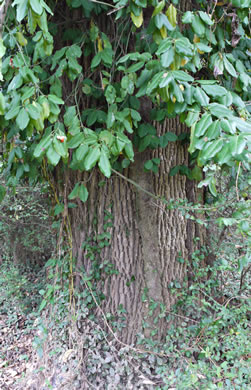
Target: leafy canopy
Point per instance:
(72, 96)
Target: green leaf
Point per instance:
(104, 164)
(42, 146)
(83, 193)
(36, 6)
(170, 137)
(224, 156)
(229, 67)
(204, 48)
(237, 145)
(75, 192)
(12, 113)
(159, 7)
(167, 57)
(203, 124)
(81, 152)
(214, 90)
(227, 126)
(187, 17)
(206, 18)
(55, 99)
(2, 193)
(2, 104)
(22, 119)
(76, 140)
(182, 76)
(219, 110)
(92, 157)
(60, 147)
(183, 46)
(53, 156)
(2, 48)
(192, 118)
(209, 151)
(16, 82)
(110, 94)
(21, 9)
(198, 26)
(34, 111)
(96, 60)
(201, 97)
(154, 83)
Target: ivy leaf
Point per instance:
(104, 164)
(22, 119)
(92, 157)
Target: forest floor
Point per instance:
(15, 350)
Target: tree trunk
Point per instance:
(146, 238)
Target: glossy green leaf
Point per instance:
(81, 152)
(21, 9)
(43, 145)
(76, 140)
(104, 164)
(201, 97)
(34, 111)
(229, 67)
(203, 124)
(209, 151)
(60, 147)
(52, 156)
(206, 18)
(237, 145)
(198, 26)
(36, 6)
(22, 119)
(55, 99)
(214, 90)
(2, 104)
(219, 110)
(92, 157)
(182, 76)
